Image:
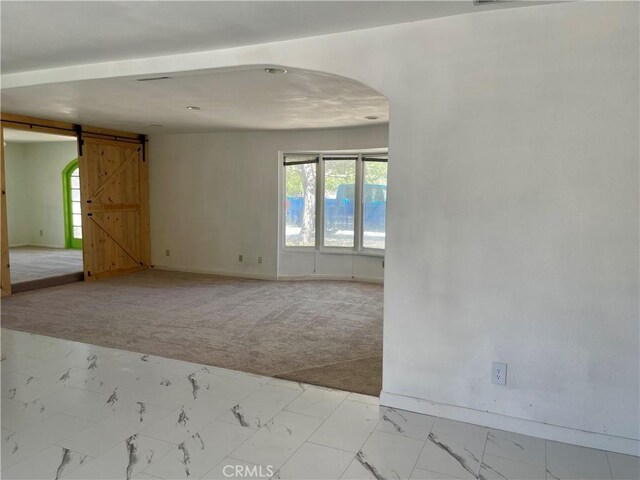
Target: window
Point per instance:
(335, 201)
(72, 213)
(300, 200)
(339, 201)
(374, 201)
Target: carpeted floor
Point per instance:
(35, 263)
(320, 332)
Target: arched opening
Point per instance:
(71, 203)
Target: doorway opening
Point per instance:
(43, 213)
(71, 205)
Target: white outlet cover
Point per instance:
(499, 373)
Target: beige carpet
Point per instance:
(320, 332)
(35, 263)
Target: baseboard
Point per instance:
(289, 278)
(628, 446)
(41, 245)
(221, 273)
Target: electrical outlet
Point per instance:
(166, 252)
(41, 232)
(499, 373)
(239, 258)
(259, 259)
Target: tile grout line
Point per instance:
(424, 445)
(609, 464)
(484, 449)
(317, 428)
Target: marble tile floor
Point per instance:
(76, 411)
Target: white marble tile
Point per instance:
(316, 462)
(125, 460)
(133, 389)
(144, 476)
(14, 362)
(19, 415)
(520, 448)
(358, 397)
(53, 462)
(277, 440)
(82, 403)
(573, 462)
(624, 467)
(239, 387)
(299, 386)
(420, 474)
(27, 345)
(260, 407)
(499, 468)
(197, 455)
(104, 435)
(21, 445)
(385, 455)
(348, 427)
(230, 468)
(26, 389)
(60, 394)
(317, 402)
(406, 424)
(188, 419)
(453, 448)
(63, 350)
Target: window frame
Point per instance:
(69, 240)
(282, 203)
(375, 252)
(319, 247)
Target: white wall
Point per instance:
(513, 211)
(215, 196)
(34, 191)
(513, 207)
(18, 205)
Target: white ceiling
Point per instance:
(25, 136)
(236, 99)
(43, 34)
(39, 35)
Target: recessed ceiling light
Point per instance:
(372, 117)
(275, 70)
(151, 79)
(192, 107)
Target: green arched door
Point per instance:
(72, 215)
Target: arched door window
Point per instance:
(72, 216)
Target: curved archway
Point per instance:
(71, 203)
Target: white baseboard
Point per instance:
(628, 446)
(289, 278)
(41, 245)
(221, 273)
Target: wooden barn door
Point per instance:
(115, 210)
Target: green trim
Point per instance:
(69, 241)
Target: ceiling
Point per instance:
(44, 34)
(245, 98)
(41, 35)
(24, 136)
